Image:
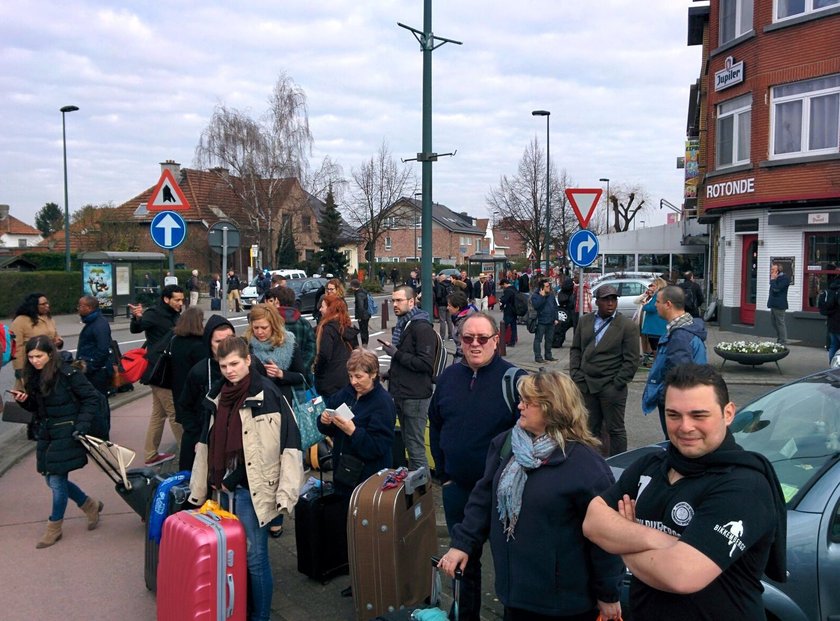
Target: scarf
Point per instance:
(281, 355)
(528, 454)
(225, 444)
(402, 322)
(729, 454)
(678, 322)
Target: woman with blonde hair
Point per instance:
(531, 502)
(335, 338)
(653, 326)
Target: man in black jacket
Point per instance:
(361, 309)
(157, 323)
(412, 350)
(94, 345)
(442, 288)
(199, 380)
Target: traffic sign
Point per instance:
(168, 230)
(583, 248)
(167, 195)
(215, 235)
(584, 201)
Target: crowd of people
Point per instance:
(520, 456)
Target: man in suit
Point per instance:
(602, 361)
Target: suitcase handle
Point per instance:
(416, 478)
(434, 600)
(231, 597)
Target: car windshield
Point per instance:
(295, 285)
(796, 427)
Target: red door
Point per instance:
(749, 278)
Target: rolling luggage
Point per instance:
(407, 614)
(215, 304)
(391, 534)
(202, 574)
(174, 500)
(321, 533)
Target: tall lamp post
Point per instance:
(414, 213)
(547, 116)
(607, 181)
(65, 110)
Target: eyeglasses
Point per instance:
(43, 303)
(529, 404)
(468, 339)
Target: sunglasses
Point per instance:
(482, 340)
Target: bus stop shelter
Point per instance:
(495, 264)
(119, 278)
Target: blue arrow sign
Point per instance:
(583, 248)
(168, 230)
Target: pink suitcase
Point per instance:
(202, 572)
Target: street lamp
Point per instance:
(607, 181)
(547, 116)
(64, 110)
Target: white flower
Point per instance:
(751, 347)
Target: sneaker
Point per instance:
(160, 458)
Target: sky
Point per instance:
(146, 76)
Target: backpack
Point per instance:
(531, 319)
(441, 356)
(520, 304)
(690, 299)
(372, 307)
(133, 365)
(7, 344)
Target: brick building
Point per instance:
(764, 131)
(455, 236)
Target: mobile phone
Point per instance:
(383, 342)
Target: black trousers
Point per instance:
(363, 330)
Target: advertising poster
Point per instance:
(692, 168)
(98, 281)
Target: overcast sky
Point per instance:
(147, 75)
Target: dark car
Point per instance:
(797, 427)
(306, 290)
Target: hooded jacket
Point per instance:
(203, 374)
(684, 343)
(831, 307)
(304, 336)
(331, 359)
(94, 346)
(410, 375)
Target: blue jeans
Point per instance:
(545, 332)
(455, 500)
(260, 579)
(413, 415)
(62, 488)
(833, 344)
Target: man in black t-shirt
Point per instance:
(699, 523)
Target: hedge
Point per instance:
(62, 288)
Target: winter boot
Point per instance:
(92, 507)
(52, 534)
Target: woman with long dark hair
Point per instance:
(250, 447)
(32, 318)
(188, 348)
(335, 338)
(64, 403)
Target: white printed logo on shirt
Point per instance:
(733, 531)
(644, 480)
(682, 513)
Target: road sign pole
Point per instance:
(171, 263)
(580, 294)
(224, 272)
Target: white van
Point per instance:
(248, 295)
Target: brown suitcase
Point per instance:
(390, 536)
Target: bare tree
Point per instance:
(376, 185)
(328, 177)
(626, 202)
(520, 203)
(255, 157)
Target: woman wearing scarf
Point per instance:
(335, 338)
(276, 348)
(250, 447)
(531, 502)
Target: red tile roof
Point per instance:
(13, 226)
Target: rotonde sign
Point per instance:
(730, 188)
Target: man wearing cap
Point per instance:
(602, 361)
(481, 292)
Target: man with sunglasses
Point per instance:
(412, 350)
(467, 411)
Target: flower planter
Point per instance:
(751, 359)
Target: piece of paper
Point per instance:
(343, 411)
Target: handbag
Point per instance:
(308, 406)
(161, 375)
(349, 471)
(133, 365)
(14, 412)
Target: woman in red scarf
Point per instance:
(250, 448)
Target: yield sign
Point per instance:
(584, 201)
(167, 195)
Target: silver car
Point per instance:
(797, 427)
(629, 289)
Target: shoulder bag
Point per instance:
(161, 375)
(308, 406)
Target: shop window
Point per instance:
(786, 9)
(693, 263)
(806, 117)
(822, 260)
(733, 132)
(736, 19)
(619, 262)
(659, 263)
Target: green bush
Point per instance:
(372, 286)
(62, 288)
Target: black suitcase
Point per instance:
(321, 533)
(143, 483)
(176, 501)
(215, 304)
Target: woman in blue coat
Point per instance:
(653, 326)
(538, 480)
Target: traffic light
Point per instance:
(369, 252)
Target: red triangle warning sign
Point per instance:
(584, 201)
(167, 195)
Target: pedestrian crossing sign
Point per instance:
(167, 195)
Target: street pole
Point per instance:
(547, 116)
(602, 180)
(64, 110)
(224, 271)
